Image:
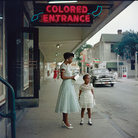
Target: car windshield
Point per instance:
(98, 71)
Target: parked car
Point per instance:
(102, 76)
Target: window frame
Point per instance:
(3, 96)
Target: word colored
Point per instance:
(66, 9)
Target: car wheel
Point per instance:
(112, 85)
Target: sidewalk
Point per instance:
(130, 81)
(43, 122)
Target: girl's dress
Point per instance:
(67, 101)
(86, 97)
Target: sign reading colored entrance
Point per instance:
(54, 14)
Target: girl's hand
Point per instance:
(94, 96)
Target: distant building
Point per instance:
(108, 59)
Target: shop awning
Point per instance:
(113, 65)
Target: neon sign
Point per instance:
(54, 14)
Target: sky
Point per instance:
(126, 20)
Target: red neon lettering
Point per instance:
(54, 9)
(84, 9)
(87, 18)
(78, 9)
(45, 18)
(66, 9)
(72, 9)
(82, 20)
(47, 8)
(64, 18)
(60, 10)
(76, 18)
(51, 18)
(58, 16)
(69, 19)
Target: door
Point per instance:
(27, 75)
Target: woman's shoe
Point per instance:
(68, 127)
(64, 123)
(81, 123)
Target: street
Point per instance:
(114, 116)
(119, 104)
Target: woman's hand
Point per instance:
(73, 77)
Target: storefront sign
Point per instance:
(83, 58)
(96, 61)
(55, 14)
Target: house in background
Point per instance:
(108, 59)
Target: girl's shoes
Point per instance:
(90, 122)
(68, 127)
(81, 123)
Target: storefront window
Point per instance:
(1, 46)
(28, 73)
(25, 75)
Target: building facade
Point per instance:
(108, 59)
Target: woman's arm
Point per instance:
(79, 94)
(65, 77)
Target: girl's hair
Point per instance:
(85, 76)
(68, 55)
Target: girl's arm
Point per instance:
(79, 94)
(92, 92)
(65, 77)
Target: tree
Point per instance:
(78, 51)
(128, 45)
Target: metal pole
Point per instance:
(136, 70)
(82, 68)
(118, 64)
(12, 115)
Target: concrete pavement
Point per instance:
(43, 122)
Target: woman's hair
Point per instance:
(85, 76)
(68, 55)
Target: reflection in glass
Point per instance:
(1, 46)
(26, 80)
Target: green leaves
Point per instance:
(128, 45)
(79, 50)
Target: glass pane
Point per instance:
(1, 46)
(27, 65)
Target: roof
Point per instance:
(111, 37)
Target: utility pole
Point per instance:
(118, 64)
(136, 70)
